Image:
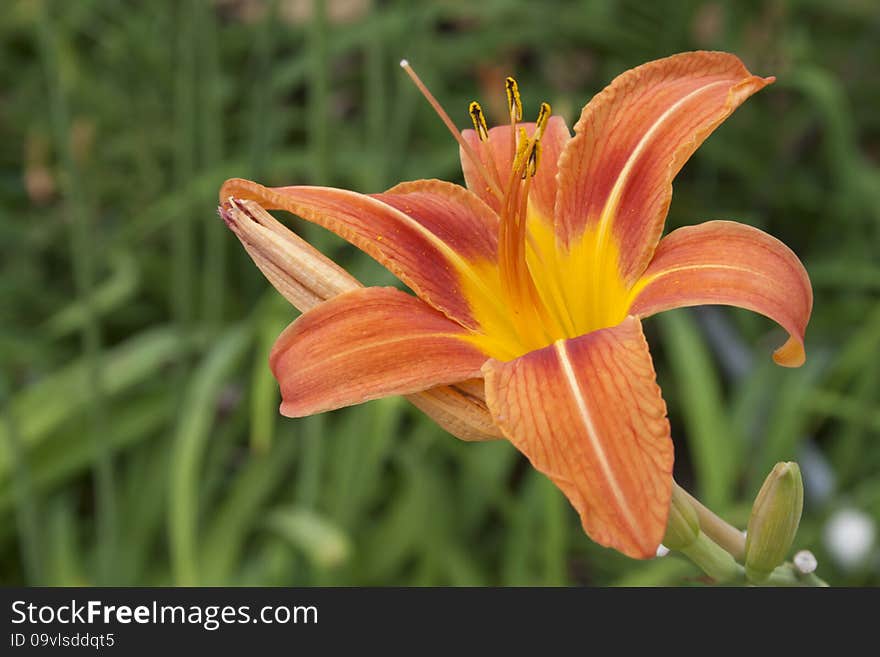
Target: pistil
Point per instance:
(534, 322)
(468, 151)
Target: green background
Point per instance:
(139, 438)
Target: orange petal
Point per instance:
(428, 233)
(306, 278)
(588, 414)
(615, 175)
(496, 156)
(730, 263)
(365, 344)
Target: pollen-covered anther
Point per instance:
(514, 102)
(541, 122)
(479, 120)
(535, 152)
(532, 165)
(525, 162)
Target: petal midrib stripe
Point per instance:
(451, 254)
(345, 353)
(614, 197)
(593, 436)
(644, 282)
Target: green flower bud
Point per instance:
(683, 527)
(774, 520)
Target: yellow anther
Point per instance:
(525, 162)
(534, 156)
(541, 121)
(514, 102)
(479, 120)
(523, 146)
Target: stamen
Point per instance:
(514, 102)
(535, 152)
(479, 120)
(541, 121)
(482, 130)
(524, 154)
(522, 150)
(515, 275)
(532, 165)
(514, 109)
(468, 151)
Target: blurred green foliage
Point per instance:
(139, 439)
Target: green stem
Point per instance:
(83, 259)
(719, 547)
(377, 114)
(319, 93)
(788, 575)
(720, 531)
(260, 95)
(27, 512)
(211, 122)
(184, 166)
(714, 560)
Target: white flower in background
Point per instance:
(849, 536)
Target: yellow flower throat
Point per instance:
(539, 290)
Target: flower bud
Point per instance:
(683, 526)
(774, 520)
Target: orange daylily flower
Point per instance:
(531, 284)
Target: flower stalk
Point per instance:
(683, 526)
(732, 557)
(713, 560)
(727, 536)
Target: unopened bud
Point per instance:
(775, 517)
(683, 526)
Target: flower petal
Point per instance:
(306, 278)
(588, 414)
(448, 211)
(460, 409)
(497, 158)
(615, 175)
(303, 275)
(729, 263)
(430, 234)
(365, 344)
